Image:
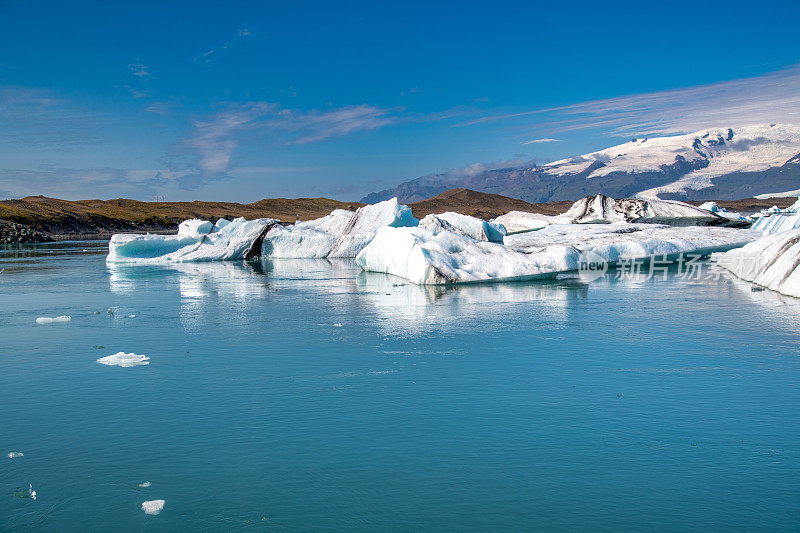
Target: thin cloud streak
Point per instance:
(210, 56)
(772, 97)
(540, 141)
(213, 141)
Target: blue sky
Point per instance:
(246, 100)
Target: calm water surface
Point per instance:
(300, 395)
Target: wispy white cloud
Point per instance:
(140, 70)
(211, 55)
(772, 97)
(540, 141)
(213, 141)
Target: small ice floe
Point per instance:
(53, 320)
(124, 359)
(145, 484)
(31, 491)
(153, 506)
(338, 325)
(14, 455)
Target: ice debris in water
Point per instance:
(124, 359)
(153, 506)
(13, 455)
(145, 484)
(53, 320)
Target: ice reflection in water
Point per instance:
(400, 308)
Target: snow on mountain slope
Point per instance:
(715, 164)
(713, 153)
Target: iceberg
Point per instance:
(153, 506)
(197, 240)
(478, 229)
(520, 221)
(341, 234)
(772, 262)
(603, 210)
(773, 220)
(424, 257)
(724, 213)
(14, 455)
(427, 258)
(53, 320)
(124, 360)
(628, 241)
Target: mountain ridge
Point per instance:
(717, 163)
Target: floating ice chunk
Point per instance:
(710, 206)
(602, 209)
(239, 239)
(777, 222)
(424, 257)
(519, 221)
(340, 234)
(124, 359)
(772, 262)
(724, 213)
(478, 229)
(615, 242)
(145, 484)
(153, 506)
(14, 455)
(53, 320)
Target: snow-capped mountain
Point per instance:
(720, 163)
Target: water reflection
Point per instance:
(399, 307)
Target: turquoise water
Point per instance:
(302, 395)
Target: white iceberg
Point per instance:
(53, 320)
(237, 239)
(614, 242)
(520, 221)
(724, 213)
(340, 234)
(775, 220)
(478, 229)
(124, 360)
(145, 484)
(603, 209)
(425, 257)
(153, 506)
(772, 262)
(14, 455)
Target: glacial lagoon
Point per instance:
(307, 394)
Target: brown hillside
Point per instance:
(100, 217)
(481, 204)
